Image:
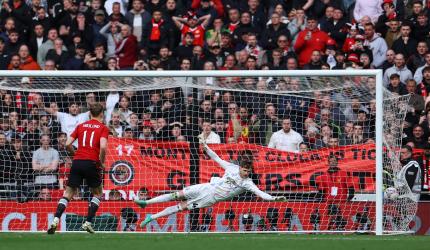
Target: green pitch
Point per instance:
(81, 241)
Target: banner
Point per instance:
(36, 216)
(165, 166)
(158, 166)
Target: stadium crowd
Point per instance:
(207, 35)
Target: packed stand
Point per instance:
(207, 35)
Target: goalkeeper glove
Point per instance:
(280, 198)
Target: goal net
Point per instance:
(313, 135)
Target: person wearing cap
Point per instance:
(190, 24)
(309, 40)
(77, 61)
(98, 22)
(399, 68)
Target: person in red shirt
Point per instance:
(192, 26)
(334, 184)
(87, 164)
(309, 40)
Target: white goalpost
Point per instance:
(347, 129)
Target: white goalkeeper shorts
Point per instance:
(199, 196)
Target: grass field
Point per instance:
(81, 241)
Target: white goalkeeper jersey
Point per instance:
(231, 184)
(408, 181)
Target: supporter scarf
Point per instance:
(422, 90)
(155, 32)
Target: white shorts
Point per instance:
(199, 196)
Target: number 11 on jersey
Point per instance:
(85, 138)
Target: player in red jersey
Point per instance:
(87, 164)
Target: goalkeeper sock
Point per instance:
(161, 198)
(62, 204)
(92, 208)
(166, 212)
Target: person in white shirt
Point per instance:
(286, 139)
(70, 120)
(234, 182)
(207, 135)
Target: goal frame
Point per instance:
(378, 74)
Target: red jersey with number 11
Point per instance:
(88, 135)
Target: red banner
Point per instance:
(158, 166)
(35, 216)
(164, 166)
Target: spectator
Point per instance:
(146, 133)
(309, 40)
(37, 38)
(115, 125)
(419, 73)
(45, 164)
(377, 44)
(70, 120)
(140, 19)
(58, 54)
(399, 68)
(396, 86)
(393, 33)
(192, 26)
(286, 139)
(155, 34)
(405, 44)
(46, 46)
(19, 10)
(109, 5)
(372, 9)
(418, 59)
(418, 138)
(15, 62)
(126, 49)
(265, 126)
(273, 31)
(238, 125)
(208, 136)
(389, 60)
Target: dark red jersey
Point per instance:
(88, 135)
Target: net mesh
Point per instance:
(312, 140)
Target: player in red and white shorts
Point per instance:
(87, 164)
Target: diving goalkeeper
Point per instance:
(234, 182)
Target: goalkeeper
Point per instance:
(234, 182)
